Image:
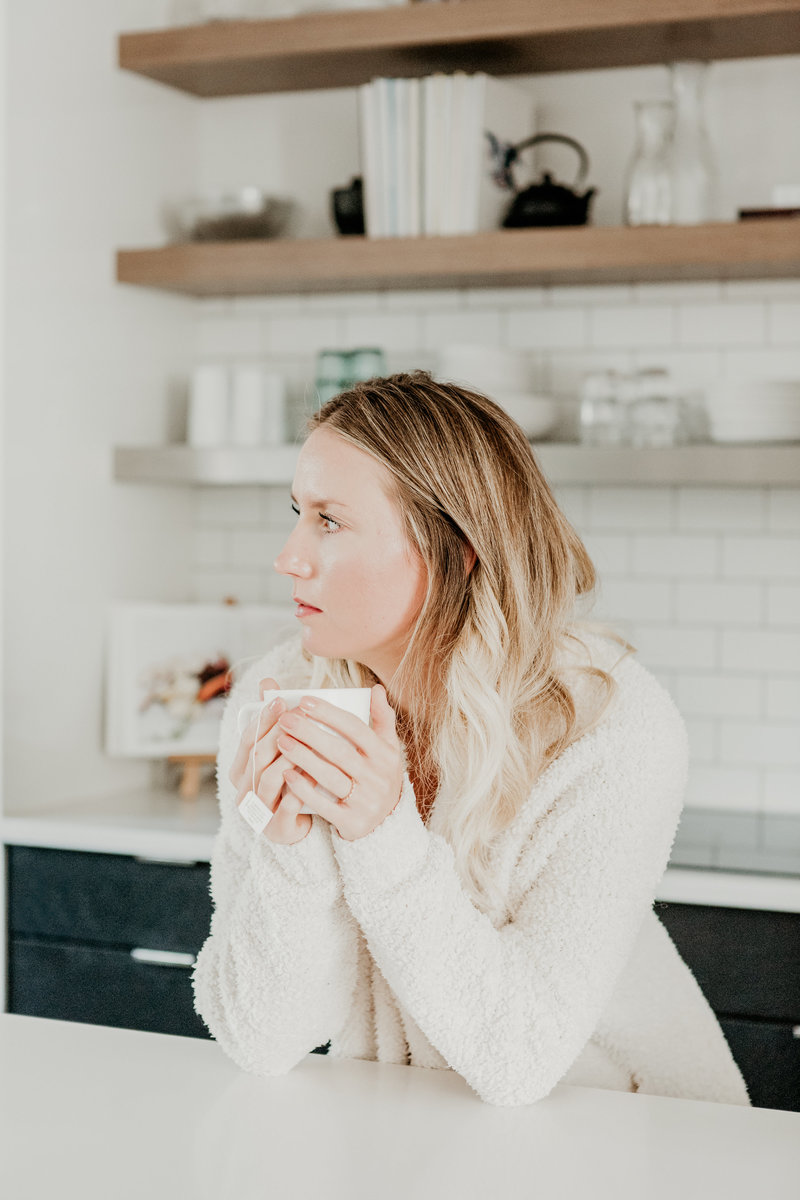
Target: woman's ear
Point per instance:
(470, 558)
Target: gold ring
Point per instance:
(349, 794)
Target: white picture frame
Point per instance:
(156, 654)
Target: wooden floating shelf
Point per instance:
(502, 258)
(776, 465)
(502, 37)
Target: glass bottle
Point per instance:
(693, 170)
(648, 190)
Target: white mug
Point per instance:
(352, 700)
(208, 406)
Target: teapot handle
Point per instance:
(514, 151)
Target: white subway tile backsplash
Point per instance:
(761, 363)
(630, 508)
(254, 549)
(702, 739)
(716, 695)
(423, 300)
(634, 600)
(719, 603)
(210, 547)
(682, 555)
(666, 646)
(388, 331)
(783, 700)
(598, 294)
(764, 557)
(609, 552)
(763, 651)
(716, 508)
(705, 581)
(721, 324)
(675, 291)
(513, 297)
(474, 327)
(633, 325)
(781, 791)
(229, 506)
(784, 322)
(783, 603)
(304, 334)
(213, 586)
(226, 337)
(783, 509)
(719, 787)
(758, 743)
(547, 328)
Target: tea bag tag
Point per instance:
(255, 812)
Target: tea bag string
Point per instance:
(255, 747)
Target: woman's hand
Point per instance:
(287, 825)
(363, 768)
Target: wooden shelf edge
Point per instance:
(711, 464)
(509, 257)
(346, 48)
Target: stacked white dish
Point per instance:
(504, 376)
(755, 410)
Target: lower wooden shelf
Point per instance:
(563, 463)
(501, 258)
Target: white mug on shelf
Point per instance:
(246, 427)
(209, 406)
(258, 406)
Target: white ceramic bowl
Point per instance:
(536, 415)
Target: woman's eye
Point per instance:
(324, 517)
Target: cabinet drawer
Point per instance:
(747, 962)
(107, 898)
(100, 986)
(768, 1055)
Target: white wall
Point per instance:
(91, 152)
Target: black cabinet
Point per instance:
(80, 926)
(108, 939)
(747, 963)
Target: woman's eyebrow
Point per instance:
(323, 503)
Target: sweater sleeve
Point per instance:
(275, 977)
(511, 1008)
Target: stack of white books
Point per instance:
(426, 154)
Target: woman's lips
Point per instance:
(305, 610)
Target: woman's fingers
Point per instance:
(262, 725)
(331, 777)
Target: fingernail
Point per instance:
(276, 705)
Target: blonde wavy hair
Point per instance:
(485, 704)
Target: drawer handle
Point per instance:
(172, 862)
(164, 958)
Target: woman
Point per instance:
(479, 895)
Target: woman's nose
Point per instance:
(292, 561)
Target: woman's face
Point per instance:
(348, 557)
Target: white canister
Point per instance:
(209, 406)
(274, 409)
(247, 418)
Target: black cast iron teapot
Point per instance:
(545, 202)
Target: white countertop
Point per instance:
(158, 825)
(88, 1111)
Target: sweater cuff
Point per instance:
(392, 852)
(308, 863)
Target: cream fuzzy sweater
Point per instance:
(374, 945)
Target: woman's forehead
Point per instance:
(332, 471)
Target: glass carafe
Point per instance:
(693, 171)
(648, 190)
